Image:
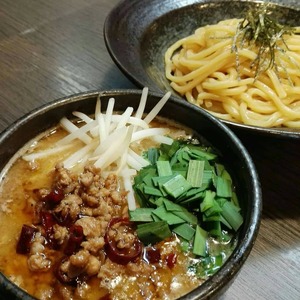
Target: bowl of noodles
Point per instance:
(238, 60)
(114, 195)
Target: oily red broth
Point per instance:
(160, 271)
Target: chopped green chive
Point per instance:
(151, 233)
(152, 191)
(152, 155)
(223, 187)
(182, 188)
(232, 215)
(143, 214)
(176, 186)
(195, 172)
(167, 216)
(164, 168)
(184, 230)
(200, 246)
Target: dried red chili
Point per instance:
(63, 219)
(152, 255)
(75, 239)
(121, 255)
(25, 238)
(171, 260)
(62, 276)
(55, 196)
(48, 222)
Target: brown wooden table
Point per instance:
(50, 49)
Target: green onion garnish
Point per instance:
(187, 192)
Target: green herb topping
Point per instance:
(187, 192)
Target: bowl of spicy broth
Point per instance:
(205, 128)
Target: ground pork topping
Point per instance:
(91, 226)
(82, 230)
(73, 216)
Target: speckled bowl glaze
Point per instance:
(138, 33)
(212, 131)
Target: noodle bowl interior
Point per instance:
(72, 233)
(205, 69)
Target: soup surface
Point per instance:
(67, 234)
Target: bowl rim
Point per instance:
(231, 267)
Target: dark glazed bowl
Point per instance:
(138, 33)
(213, 132)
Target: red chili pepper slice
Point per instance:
(75, 238)
(48, 222)
(55, 196)
(26, 236)
(171, 260)
(152, 255)
(62, 276)
(117, 254)
(63, 219)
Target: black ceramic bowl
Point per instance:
(138, 33)
(234, 155)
